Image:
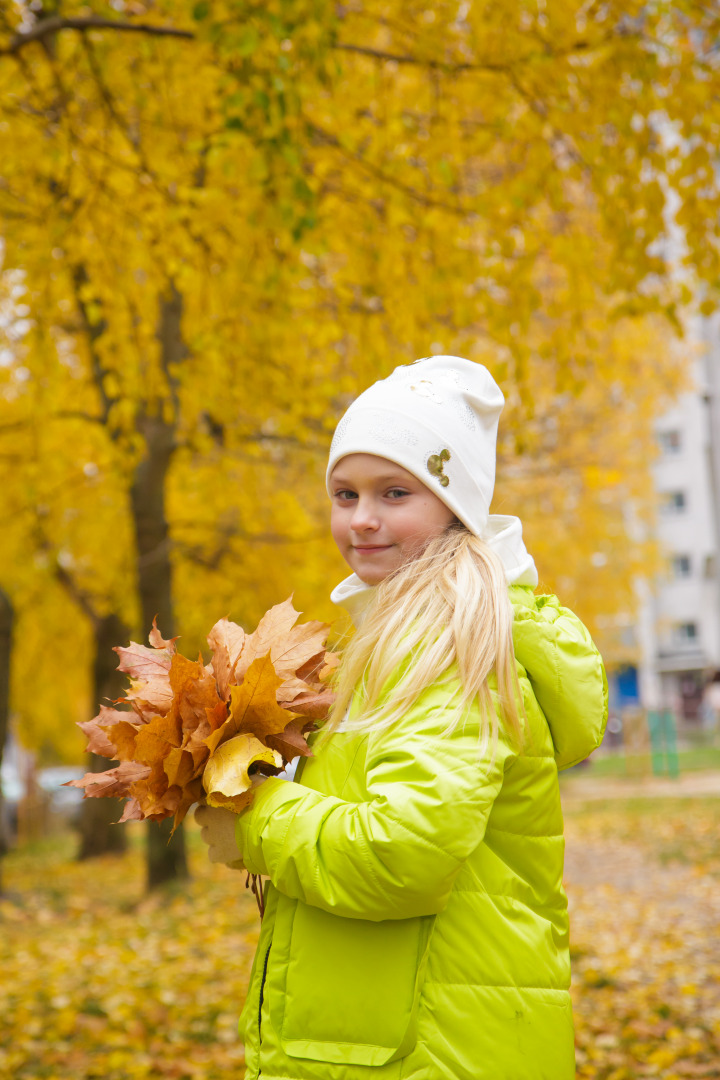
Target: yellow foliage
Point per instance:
(323, 193)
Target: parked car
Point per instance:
(63, 800)
(12, 791)
(57, 800)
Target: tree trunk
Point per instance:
(166, 859)
(98, 832)
(6, 623)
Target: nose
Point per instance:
(364, 518)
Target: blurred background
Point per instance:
(221, 221)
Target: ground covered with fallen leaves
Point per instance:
(643, 881)
(100, 981)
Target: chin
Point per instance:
(372, 579)
(371, 575)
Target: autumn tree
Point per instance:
(6, 625)
(227, 218)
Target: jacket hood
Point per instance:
(558, 655)
(566, 673)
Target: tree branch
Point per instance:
(379, 174)
(212, 560)
(64, 577)
(89, 22)
(397, 58)
(93, 330)
(456, 68)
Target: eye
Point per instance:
(345, 495)
(397, 493)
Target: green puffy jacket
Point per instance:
(416, 925)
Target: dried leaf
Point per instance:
(253, 706)
(132, 811)
(226, 773)
(192, 793)
(114, 783)
(291, 742)
(314, 705)
(331, 662)
(195, 692)
(217, 716)
(184, 710)
(151, 698)
(301, 646)
(158, 641)
(155, 740)
(310, 670)
(151, 789)
(236, 803)
(292, 688)
(179, 766)
(95, 730)
(139, 662)
(182, 671)
(226, 639)
(122, 735)
(272, 631)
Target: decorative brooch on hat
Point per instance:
(436, 466)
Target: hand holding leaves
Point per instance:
(195, 727)
(217, 830)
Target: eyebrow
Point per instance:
(391, 478)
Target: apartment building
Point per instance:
(678, 629)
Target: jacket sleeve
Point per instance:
(565, 670)
(395, 855)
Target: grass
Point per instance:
(614, 765)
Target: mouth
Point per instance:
(368, 549)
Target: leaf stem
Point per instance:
(254, 883)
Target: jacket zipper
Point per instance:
(262, 996)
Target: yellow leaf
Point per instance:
(226, 773)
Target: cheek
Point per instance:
(412, 524)
(422, 522)
(338, 526)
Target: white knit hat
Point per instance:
(438, 419)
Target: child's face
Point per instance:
(382, 515)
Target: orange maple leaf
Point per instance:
(253, 706)
(115, 783)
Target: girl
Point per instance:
(416, 925)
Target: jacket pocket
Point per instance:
(352, 987)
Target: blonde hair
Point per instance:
(447, 607)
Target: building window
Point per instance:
(681, 566)
(670, 441)
(710, 566)
(686, 633)
(673, 502)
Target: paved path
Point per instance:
(582, 786)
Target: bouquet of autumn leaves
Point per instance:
(199, 730)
